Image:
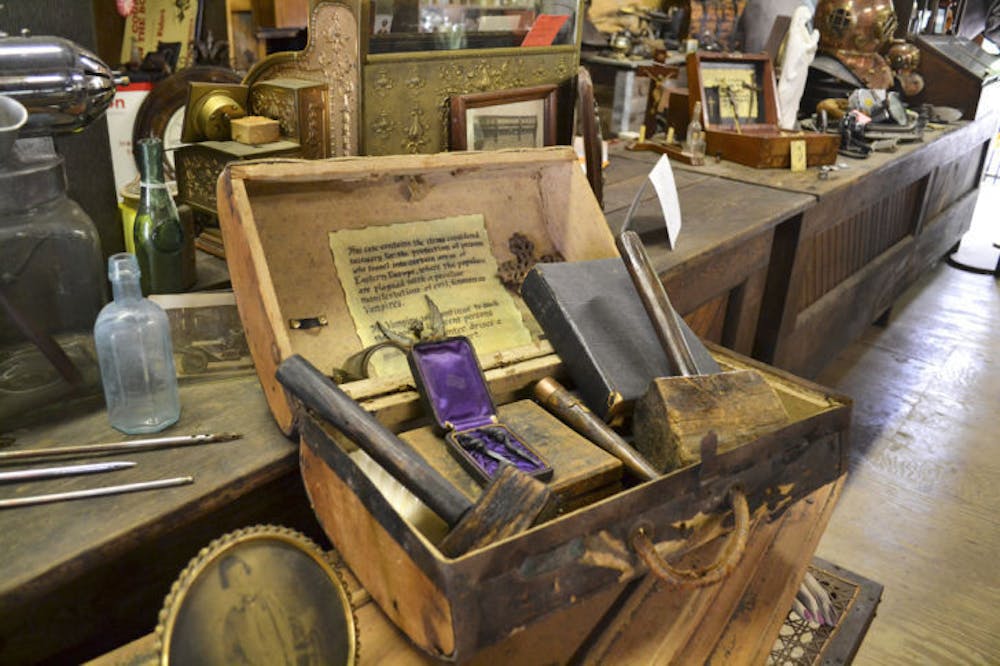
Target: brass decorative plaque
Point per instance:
(300, 107)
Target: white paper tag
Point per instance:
(662, 178)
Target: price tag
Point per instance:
(662, 178)
(670, 136)
(798, 148)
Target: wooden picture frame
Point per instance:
(515, 118)
(748, 80)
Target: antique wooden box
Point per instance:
(299, 292)
(739, 110)
(958, 73)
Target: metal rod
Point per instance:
(68, 470)
(134, 445)
(95, 492)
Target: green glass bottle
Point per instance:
(158, 234)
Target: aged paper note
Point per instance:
(386, 271)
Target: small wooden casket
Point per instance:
(299, 292)
(739, 107)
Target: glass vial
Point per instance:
(695, 138)
(157, 233)
(132, 336)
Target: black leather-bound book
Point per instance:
(594, 319)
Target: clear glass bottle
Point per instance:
(694, 143)
(157, 233)
(132, 336)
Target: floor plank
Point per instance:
(919, 510)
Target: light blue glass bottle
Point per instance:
(132, 337)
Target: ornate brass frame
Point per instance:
(193, 613)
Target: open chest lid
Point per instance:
(325, 255)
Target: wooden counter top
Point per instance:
(64, 561)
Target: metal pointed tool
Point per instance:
(94, 492)
(67, 470)
(108, 447)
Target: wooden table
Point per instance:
(715, 277)
(79, 577)
(872, 230)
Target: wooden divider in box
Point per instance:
(276, 219)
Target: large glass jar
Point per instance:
(51, 284)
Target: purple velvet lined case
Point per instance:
(454, 390)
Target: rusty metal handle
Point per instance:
(713, 573)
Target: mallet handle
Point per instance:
(320, 394)
(654, 298)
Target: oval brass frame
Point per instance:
(206, 559)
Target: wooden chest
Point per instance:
(280, 221)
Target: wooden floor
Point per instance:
(920, 512)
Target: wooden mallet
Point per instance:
(510, 504)
(675, 413)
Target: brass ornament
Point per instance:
(415, 132)
(332, 57)
(197, 171)
(264, 594)
(383, 125)
(276, 104)
(513, 271)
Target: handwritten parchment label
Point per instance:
(386, 271)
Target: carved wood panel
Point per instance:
(835, 254)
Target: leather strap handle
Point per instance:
(713, 573)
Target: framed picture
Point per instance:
(736, 91)
(516, 118)
(260, 595)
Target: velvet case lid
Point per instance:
(451, 383)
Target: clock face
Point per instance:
(172, 135)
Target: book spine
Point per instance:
(568, 342)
